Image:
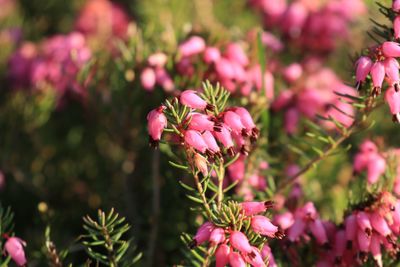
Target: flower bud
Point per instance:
(267, 254)
(393, 100)
(296, 230)
(379, 224)
(318, 231)
(375, 248)
(377, 74)
(391, 49)
(363, 67)
(157, 60)
(236, 260)
(194, 139)
(292, 72)
(284, 220)
(375, 168)
(252, 207)
(263, 226)
(211, 55)
(217, 236)
(396, 5)
(191, 99)
(156, 122)
(194, 45)
(363, 241)
(392, 72)
(235, 53)
(233, 121)
(240, 242)
(200, 122)
(222, 255)
(211, 142)
(203, 234)
(201, 164)
(364, 222)
(15, 249)
(254, 258)
(148, 79)
(396, 27)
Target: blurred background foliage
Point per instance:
(63, 162)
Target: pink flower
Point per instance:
(375, 248)
(222, 255)
(291, 121)
(375, 168)
(217, 236)
(194, 139)
(396, 27)
(236, 260)
(203, 234)
(191, 99)
(252, 207)
(224, 136)
(363, 67)
(255, 258)
(156, 122)
(157, 60)
(237, 169)
(393, 100)
(391, 49)
(266, 253)
(233, 120)
(224, 69)
(284, 220)
(200, 122)
(396, 5)
(245, 118)
(392, 72)
(379, 224)
(350, 224)
(340, 243)
(201, 164)
(148, 79)
(15, 248)
(194, 45)
(164, 80)
(211, 55)
(292, 72)
(377, 74)
(263, 226)
(210, 141)
(235, 53)
(318, 231)
(363, 240)
(296, 230)
(364, 222)
(240, 242)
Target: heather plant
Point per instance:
(225, 133)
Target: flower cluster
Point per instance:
(380, 64)
(102, 19)
(313, 91)
(313, 25)
(232, 244)
(203, 130)
(55, 63)
(228, 65)
(368, 229)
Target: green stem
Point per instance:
(221, 175)
(202, 195)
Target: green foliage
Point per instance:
(104, 241)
